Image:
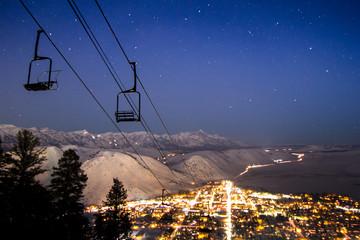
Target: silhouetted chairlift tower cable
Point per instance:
(102, 54)
(147, 95)
(129, 115)
(41, 85)
(92, 95)
(117, 79)
(111, 68)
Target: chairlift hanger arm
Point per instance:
(133, 89)
(133, 64)
(36, 57)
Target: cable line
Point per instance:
(112, 71)
(92, 95)
(147, 95)
(117, 79)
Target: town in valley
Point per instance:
(220, 210)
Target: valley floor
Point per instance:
(332, 171)
(220, 210)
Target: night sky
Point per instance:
(262, 72)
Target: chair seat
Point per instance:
(122, 116)
(40, 86)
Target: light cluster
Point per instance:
(220, 210)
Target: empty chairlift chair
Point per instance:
(132, 115)
(41, 84)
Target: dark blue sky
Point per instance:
(263, 72)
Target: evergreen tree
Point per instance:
(116, 198)
(4, 172)
(28, 161)
(4, 161)
(29, 203)
(67, 186)
(115, 223)
(5, 186)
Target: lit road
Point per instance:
(228, 185)
(299, 159)
(297, 230)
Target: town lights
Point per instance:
(228, 185)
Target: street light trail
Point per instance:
(299, 159)
(228, 209)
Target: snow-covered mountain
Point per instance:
(106, 156)
(186, 141)
(145, 177)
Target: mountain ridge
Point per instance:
(322, 165)
(186, 141)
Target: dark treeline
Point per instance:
(29, 210)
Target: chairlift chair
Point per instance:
(41, 85)
(132, 115)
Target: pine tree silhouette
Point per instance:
(29, 203)
(5, 189)
(67, 186)
(114, 223)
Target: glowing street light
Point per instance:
(228, 185)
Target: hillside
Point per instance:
(102, 166)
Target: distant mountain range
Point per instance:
(186, 141)
(204, 157)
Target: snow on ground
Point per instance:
(137, 179)
(53, 154)
(213, 165)
(324, 169)
(101, 166)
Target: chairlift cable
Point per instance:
(113, 72)
(117, 79)
(89, 91)
(111, 69)
(147, 95)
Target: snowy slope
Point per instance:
(214, 165)
(138, 180)
(106, 156)
(101, 166)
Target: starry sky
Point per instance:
(262, 72)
